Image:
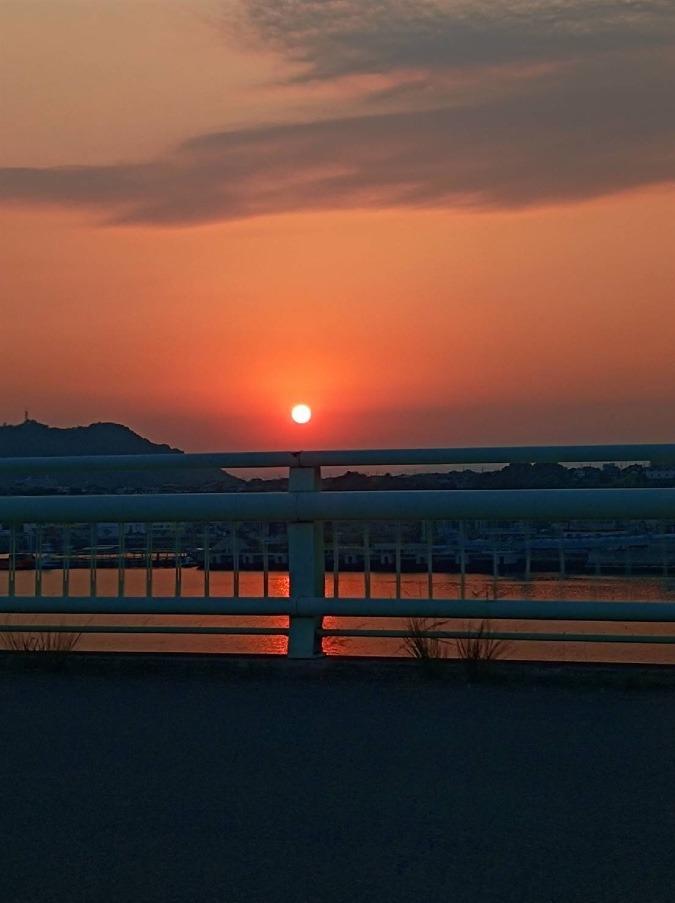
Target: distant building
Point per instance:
(112, 531)
(659, 474)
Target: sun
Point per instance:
(301, 413)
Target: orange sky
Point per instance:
(207, 218)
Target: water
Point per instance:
(413, 586)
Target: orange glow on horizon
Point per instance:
(236, 238)
(583, 318)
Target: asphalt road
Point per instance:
(237, 788)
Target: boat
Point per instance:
(27, 561)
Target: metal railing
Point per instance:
(304, 508)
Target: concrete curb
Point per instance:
(344, 668)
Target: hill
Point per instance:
(34, 439)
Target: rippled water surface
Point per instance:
(413, 586)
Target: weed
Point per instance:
(476, 649)
(42, 646)
(427, 650)
(479, 648)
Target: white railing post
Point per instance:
(305, 568)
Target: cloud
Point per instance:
(334, 38)
(565, 129)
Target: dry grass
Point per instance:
(42, 647)
(479, 648)
(425, 648)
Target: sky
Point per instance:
(437, 222)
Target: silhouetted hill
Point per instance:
(33, 439)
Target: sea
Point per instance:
(351, 585)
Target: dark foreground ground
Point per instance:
(237, 787)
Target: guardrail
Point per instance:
(304, 508)
(531, 454)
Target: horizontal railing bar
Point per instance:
(97, 463)
(535, 454)
(500, 635)
(512, 609)
(512, 504)
(169, 507)
(132, 628)
(189, 606)
(283, 631)
(509, 609)
(660, 452)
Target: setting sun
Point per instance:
(301, 413)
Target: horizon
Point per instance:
(436, 223)
(390, 469)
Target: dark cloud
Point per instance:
(596, 125)
(333, 38)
